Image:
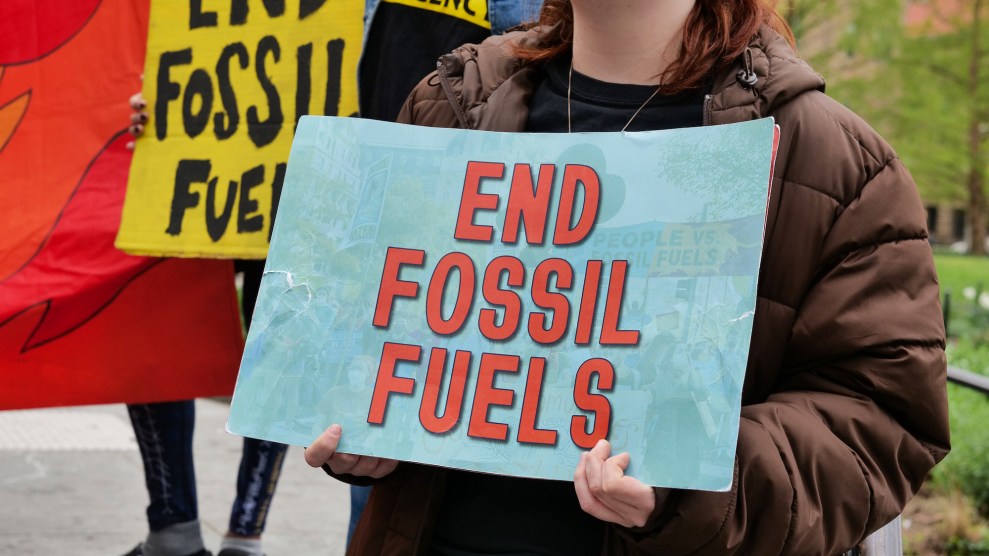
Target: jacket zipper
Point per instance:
(448, 89)
(706, 118)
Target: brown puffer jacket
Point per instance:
(844, 405)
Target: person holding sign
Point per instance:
(844, 406)
(403, 39)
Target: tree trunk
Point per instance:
(976, 154)
(976, 212)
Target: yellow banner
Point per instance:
(225, 82)
(474, 11)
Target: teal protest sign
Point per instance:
(499, 302)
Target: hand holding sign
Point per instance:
(323, 451)
(138, 118)
(607, 493)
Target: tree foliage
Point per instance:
(919, 73)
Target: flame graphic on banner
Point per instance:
(11, 114)
(91, 272)
(80, 321)
(23, 41)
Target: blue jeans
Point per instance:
(164, 435)
(260, 464)
(358, 499)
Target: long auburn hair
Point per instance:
(715, 34)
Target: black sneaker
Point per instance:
(139, 551)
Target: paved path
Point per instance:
(71, 483)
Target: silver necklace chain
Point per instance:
(570, 86)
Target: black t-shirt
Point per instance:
(601, 106)
(509, 516)
(402, 47)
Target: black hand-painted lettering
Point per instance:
(216, 225)
(168, 90)
(264, 132)
(198, 18)
(309, 7)
(225, 123)
(303, 80)
(187, 173)
(334, 68)
(247, 219)
(238, 12)
(274, 8)
(276, 194)
(200, 85)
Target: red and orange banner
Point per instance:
(80, 321)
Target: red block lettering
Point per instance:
(391, 287)
(429, 410)
(572, 175)
(610, 335)
(588, 302)
(529, 206)
(387, 382)
(505, 298)
(555, 301)
(473, 200)
(528, 432)
(437, 290)
(486, 395)
(595, 403)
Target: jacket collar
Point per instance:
(767, 76)
(490, 88)
(487, 85)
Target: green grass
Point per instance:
(967, 467)
(964, 279)
(956, 272)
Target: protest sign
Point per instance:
(225, 83)
(80, 321)
(499, 302)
